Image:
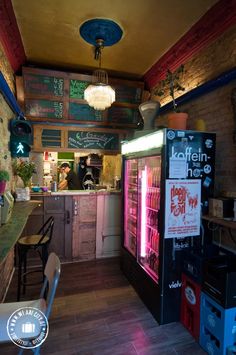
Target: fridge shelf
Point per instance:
(132, 184)
(151, 248)
(151, 272)
(151, 227)
(133, 201)
(152, 209)
(132, 251)
(131, 232)
(154, 188)
(133, 216)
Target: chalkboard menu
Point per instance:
(51, 138)
(77, 88)
(128, 94)
(93, 140)
(123, 115)
(60, 95)
(44, 108)
(83, 112)
(48, 85)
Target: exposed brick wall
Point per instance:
(215, 107)
(209, 63)
(5, 115)
(5, 161)
(6, 70)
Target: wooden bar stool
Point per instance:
(38, 242)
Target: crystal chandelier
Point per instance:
(99, 94)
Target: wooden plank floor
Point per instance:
(97, 312)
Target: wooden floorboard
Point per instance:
(97, 312)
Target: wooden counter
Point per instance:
(87, 222)
(11, 231)
(75, 192)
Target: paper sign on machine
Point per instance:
(183, 208)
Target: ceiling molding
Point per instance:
(218, 19)
(10, 36)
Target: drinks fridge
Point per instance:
(167, 179)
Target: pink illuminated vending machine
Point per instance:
(168, 176)
(142, 204)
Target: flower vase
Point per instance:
(3, 184)
(23, 194)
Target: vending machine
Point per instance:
(168, 176)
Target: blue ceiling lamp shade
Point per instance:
(107, 30)
(100, 33)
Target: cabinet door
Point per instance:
(84, 241)
(55, 206)
(108, 225)
(87, 208)
(84, 227)
(57, 244)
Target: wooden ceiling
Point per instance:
(50, 31)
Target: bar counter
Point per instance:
(76, 192)
(11, 231)
(87, 222)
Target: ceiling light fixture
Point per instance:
(100, 33)
(99, 94)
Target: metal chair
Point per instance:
(44, 303)
(38, 242)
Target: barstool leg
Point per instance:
(44, 256)
(19, 274)
(25, 268)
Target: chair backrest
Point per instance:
(46, 229)
(52, 273)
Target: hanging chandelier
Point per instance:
(100, 32)
(99, 94)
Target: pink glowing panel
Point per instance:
(143, 212)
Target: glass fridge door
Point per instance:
(149, 172)
(131, 205)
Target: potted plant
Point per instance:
(4, 177)
(172, 81)
(25, 170)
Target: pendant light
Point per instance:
(99, 94)
(100, 32)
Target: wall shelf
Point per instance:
(220, 221)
